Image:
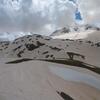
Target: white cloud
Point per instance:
(35, 15)
(44, 16)
(90, 10)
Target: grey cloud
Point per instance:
(90, 10)
(26, 16)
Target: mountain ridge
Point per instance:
(44, 47)
(75, 32)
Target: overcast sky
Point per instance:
(44, 16)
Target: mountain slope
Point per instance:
(34, 80)
(3, 47)
(42, 47)
(76, 32)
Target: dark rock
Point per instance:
(45, 52)
(65, 96)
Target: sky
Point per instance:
(45, 16)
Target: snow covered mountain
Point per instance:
(43, 47)
(3, 47)
(83, 42)
(37, 79)
(75, 32)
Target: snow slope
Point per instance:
(26, 81)
(42, 47)
(33, 80)
(74, 35)
(3, 47)
(75, 32)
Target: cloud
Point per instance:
(90, 10)
(44, 16)
(41, 16)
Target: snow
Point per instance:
(33, 81)
(76, 76)
(74, 35)
(26, 81)
(47, 48)
(75, 32)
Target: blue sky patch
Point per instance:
(78, 15)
